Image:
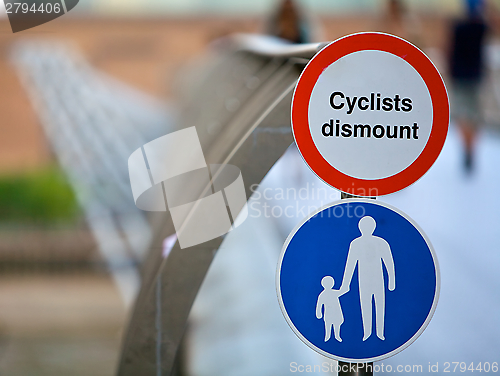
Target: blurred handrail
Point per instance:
(248, 92)
(272, 47)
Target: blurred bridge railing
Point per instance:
(93, 124)
(240, 106)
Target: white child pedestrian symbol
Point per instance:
(332, 315)
(370, 253)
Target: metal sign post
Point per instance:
(347, 369)
(354, 369)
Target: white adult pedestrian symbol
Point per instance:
(358, 281)
(369, 253)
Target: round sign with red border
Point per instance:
(370, 114)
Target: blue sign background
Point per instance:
(320, 248)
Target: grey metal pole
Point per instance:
(354, 369)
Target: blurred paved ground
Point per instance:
(59, 325)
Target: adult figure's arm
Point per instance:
(350, 265)
(389, 265)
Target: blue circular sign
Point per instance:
(358, 281)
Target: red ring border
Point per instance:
(300, 113)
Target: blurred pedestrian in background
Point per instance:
(399, 20)
(466, 72)
(289, 23)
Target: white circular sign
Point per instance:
(370, 114)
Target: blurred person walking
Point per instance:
(289, 23)
(466, 72)
(399, 20)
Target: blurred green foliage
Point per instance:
(41, 196)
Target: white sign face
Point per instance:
(370, 114)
